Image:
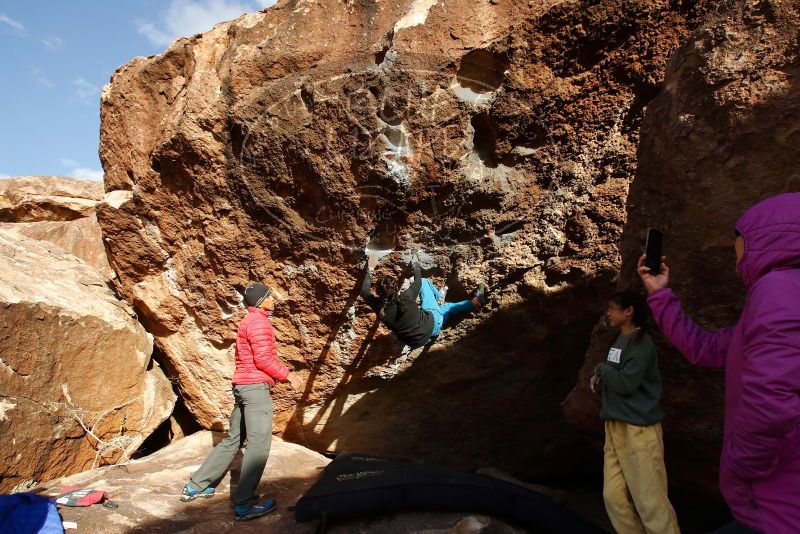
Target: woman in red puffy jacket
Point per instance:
(257, 371)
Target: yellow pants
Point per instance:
(635, 480)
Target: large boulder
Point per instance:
(47, 198)
(723, 134)
(81, 238)
(78, 386)
(59, 210)
(498, 136)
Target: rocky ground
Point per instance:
(148, 490)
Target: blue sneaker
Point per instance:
(190, 492)
(244, 513)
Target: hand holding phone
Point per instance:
(651, 281)
(653, 251)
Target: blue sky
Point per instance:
(57, 55)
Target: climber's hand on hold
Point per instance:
(372, 261)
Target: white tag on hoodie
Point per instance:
(614, 355)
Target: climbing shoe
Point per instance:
(245, 513)
(480, 294)
(442, 295)
(190, 492)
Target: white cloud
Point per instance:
(184, 18)
(84, 173)
(3, 175)
(85, 91)
(40, 78)
(53, 43)
(15, 25)
(153, 34)
(70, 163)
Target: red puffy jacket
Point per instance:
(256, 352)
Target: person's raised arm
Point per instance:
(706, 349)
(366, 294)
(415, 287)
(366, 285)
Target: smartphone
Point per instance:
(653, 252)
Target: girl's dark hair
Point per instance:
(387, 293)
(632, 299)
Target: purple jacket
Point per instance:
(760, 464)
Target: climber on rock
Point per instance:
(414, 324)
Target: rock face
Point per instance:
(81, 238)
(500, 137)
(70, 351)
(47, 198)
(723, 134)
(59, 210)
(147, 493)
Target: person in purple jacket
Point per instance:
(760, 464)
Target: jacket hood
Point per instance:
(771, 232)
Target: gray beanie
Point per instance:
(255, 294)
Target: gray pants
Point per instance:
(251, 419)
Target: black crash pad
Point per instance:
(358, 485)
